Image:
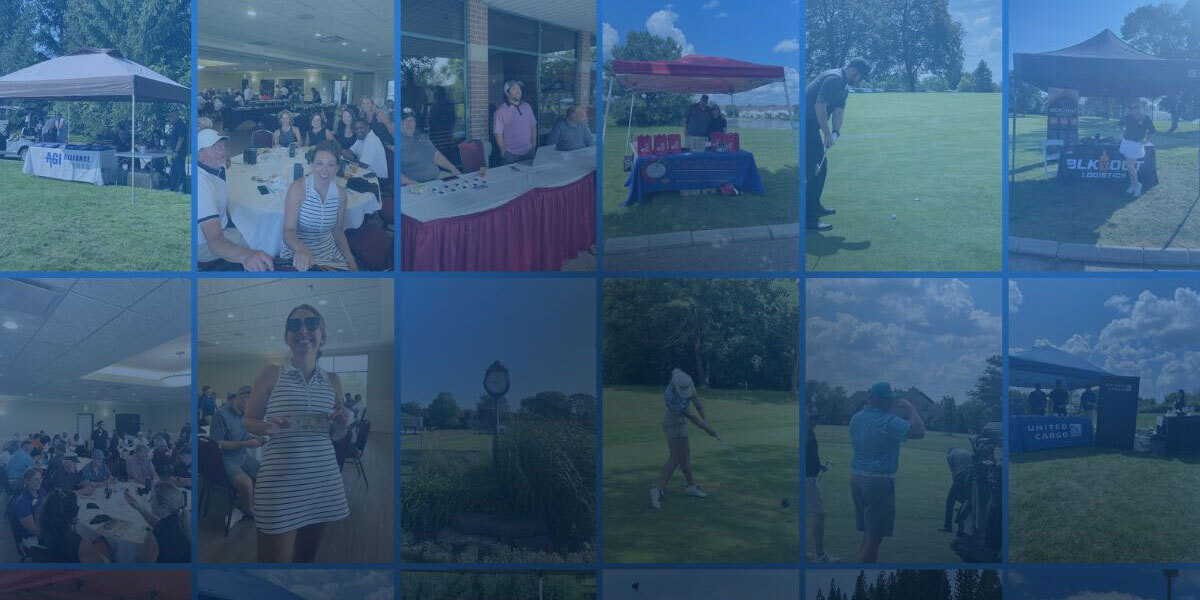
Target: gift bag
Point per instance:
(645, 145)
(674, 143)
(660, 144)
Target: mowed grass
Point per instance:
(1101, 213)
(741, 520)
(1097, 505)
(775, 155)
(461, 444)
(921, 486)
(933, 160)
(53, 225)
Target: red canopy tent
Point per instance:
(96, 585)
(694, 74)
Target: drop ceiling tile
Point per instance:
(83, 312)
(121, 292)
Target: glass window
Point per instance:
(508, 31)
(351, 370)
(433, 84)
(559, 71)
(557, 39)
(444, 18)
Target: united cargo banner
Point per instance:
(1031, 433)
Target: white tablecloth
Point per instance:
(71, 165)
(259, 217)
(465, 195)
(126, 542)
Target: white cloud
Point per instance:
(662, 24)
(609, 38)
(1120, 303)
(1015, 298)
(711, 4)
(721, 15)
(788, 45)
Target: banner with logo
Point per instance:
(58, 161)
(1062, 115)
(692, 171)
(1029, 433)
(1088, 161)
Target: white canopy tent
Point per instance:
(92, 75)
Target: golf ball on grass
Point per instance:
(893, 216)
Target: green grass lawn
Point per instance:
(921, 485)
(933, 160)
(462, 444)
(1095, 505)
(775, 155)
(52, 225)
(740, 521)
(1101, 213)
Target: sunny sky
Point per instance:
(1099, 584)
(543, 330)
(983, 33)
(325, 584)
(1038, 26)
(718, 28)
(935, 334)
(709, 584)
(1149, 328)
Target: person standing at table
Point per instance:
(58, 519)
(166, 514)
(368, 149)
(288, 133)
(180, 150)
(1058, 399)
(1136, 128)
(316, 96)
(61, 129)
(96, 471)
(1036, 402)
(572, 133)
(695, 124)
(99, 436)
(718, 122)
(515, 126)
(27, 504)
(229, 432)
(50, 129)
(299, 405)
(420, 161)
(825, 101)
(1087, 404)
(217, 240)
(317, 133)
(314, 215)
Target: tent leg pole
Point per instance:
(629, 128)
(607, 103)
(787, 96)
(132, 147)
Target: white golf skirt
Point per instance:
(1132, 149)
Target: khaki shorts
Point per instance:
(874, 505)
(814, 502)
(675, 425)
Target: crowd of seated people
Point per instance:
(46, 475)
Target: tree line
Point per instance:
(918, 585)
(153, 33)
(444, 411)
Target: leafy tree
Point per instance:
(443, 411)
(989, 586)
(412, 408)
(838, 30)
(949, 415)
(485, 410)
(860, 587)
(547, 405)
(989, 388)
(829, 400)
(982, 78)
(651, 108)
(1166, 30)
(966, 584)
(1023, 99)
(919, 36)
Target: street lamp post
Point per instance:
(495, 383)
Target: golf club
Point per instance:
(784, 503)
(636, 586)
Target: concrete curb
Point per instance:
(1125, 256)
(716, 238)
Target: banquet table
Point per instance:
(90, 163)
(259, 217)
(692, 171)
(513, 218)
(126, 532)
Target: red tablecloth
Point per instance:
(537, 231)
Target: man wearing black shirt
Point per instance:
(1058, 399)
(99, 437)
(179, 152)
(1087, 404)
(1135, 131)
(1036, 403)
(695, 124)
(814, 502)
(825, 101)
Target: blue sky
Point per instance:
(543, 330)
(983, 33)
(708, 584)
(1038, 26)
(324, 584)
(1098, 584)
(764, 31)
(815, 580)
(1148, 328)
(935, 334)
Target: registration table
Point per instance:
(259, 217)
(1182, 433)
(692, 171)
(72, 162)
(513, 218)
(126, 529)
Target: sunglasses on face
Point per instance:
(309, 323)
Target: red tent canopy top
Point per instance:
(694, 74)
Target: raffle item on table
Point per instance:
(645, 145)
(660, 144)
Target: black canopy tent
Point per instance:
(94, 74)
(1104, 65)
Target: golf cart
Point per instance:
(978, 533)
(15, 145)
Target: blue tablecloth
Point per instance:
(1029, 433)
(692, 171)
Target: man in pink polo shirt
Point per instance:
(515, 126)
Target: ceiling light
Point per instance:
(10, 324)
(179, 378)
(322, 302)
(345, 43)
(364, 49)
(251, 13)
(318, 34)
(341, 330)
(230, 315)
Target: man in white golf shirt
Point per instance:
(368, 149)
(216, 240)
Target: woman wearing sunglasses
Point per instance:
(299, 406)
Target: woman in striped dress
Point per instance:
(299, 486)
(313, 234)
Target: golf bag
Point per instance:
(977, 538)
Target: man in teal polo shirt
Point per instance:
(875, 435)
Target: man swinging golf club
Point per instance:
(681, 393)
(875, 435)
(825, 101)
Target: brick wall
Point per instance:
(477, 71)
(587, 65)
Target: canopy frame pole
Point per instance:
(607, 103)
(629, 127)
(68, 138)
(787, 97)
(132, 147)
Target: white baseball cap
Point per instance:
(207, 137)
(682, 382)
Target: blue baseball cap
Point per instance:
(883, 389)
